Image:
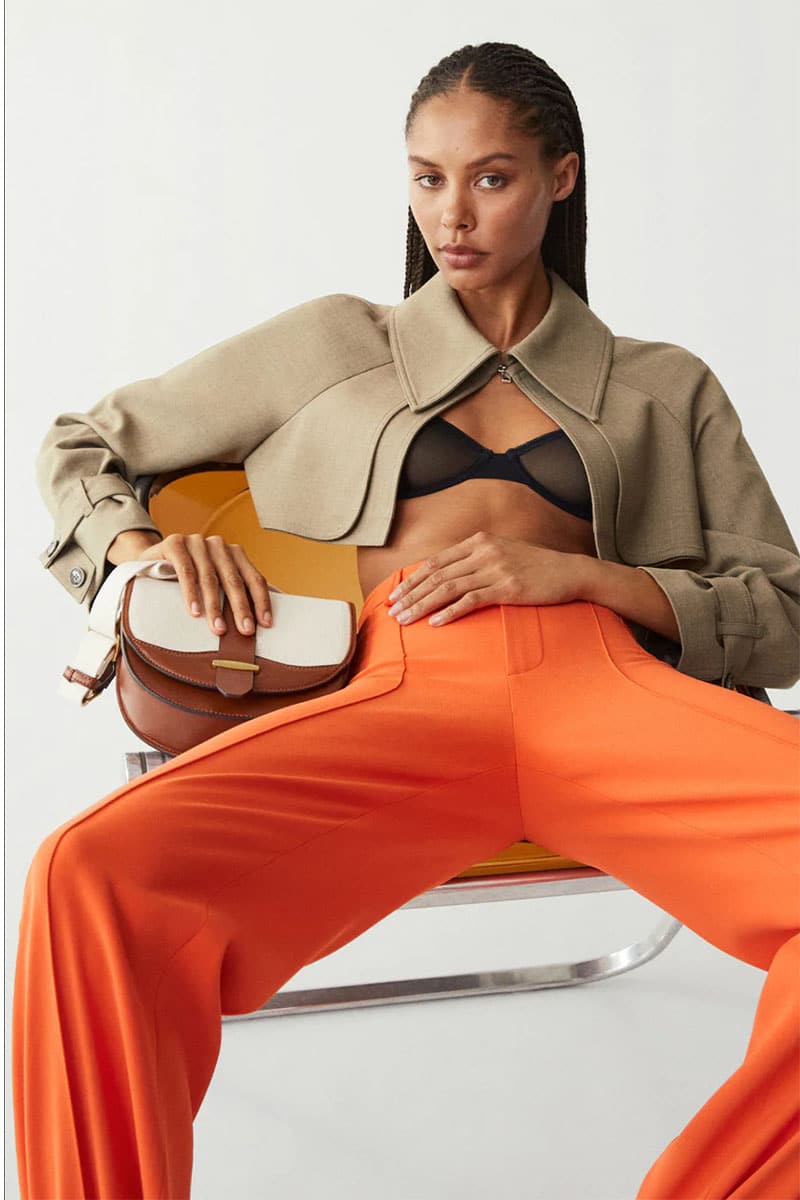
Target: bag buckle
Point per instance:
(234, 664)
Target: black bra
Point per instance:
(441, 455)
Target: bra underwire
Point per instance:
(442, 455)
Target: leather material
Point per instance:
(173, 716)
(195, 668)
(174, 699)
(176, 695)
(238, 647)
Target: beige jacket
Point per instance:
(321, 402)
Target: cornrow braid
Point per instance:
(540, 104)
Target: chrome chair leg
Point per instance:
(482, 983)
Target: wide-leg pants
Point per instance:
(201, 888)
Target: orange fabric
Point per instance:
(203, 887)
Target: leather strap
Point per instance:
(235, 647)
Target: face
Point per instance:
(500, 206)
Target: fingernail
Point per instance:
(267, 618)
(247, 625)
(195, 609)
(393, 595)
(219, 624)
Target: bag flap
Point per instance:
(311, 639)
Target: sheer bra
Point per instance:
(441, 455)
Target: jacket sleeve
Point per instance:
(217, 406)
(739, 616)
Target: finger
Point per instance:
(232, 583)
(174, 551)
(256, 584)
(469, 602)
(208, 580)
(442, 586)
(457, 555)
(445, 593)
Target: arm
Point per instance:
(215, 407)
(629, 592)
(739, 614)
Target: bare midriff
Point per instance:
(499, 416)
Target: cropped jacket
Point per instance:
(320, 403)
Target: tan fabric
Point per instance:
(321, 402)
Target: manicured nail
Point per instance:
(219, 624)
(247, 625)
(195, 609)
(393, 595)
(267, 618)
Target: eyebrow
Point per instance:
(478, 162)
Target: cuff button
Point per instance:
(76, 576)
(51, 549)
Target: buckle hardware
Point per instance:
(234, 665)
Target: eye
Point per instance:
(502, 178)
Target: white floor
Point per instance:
(560, 1094)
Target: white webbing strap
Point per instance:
(91, 667)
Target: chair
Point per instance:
(214, 499)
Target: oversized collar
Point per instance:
(435, 346)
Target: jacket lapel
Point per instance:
(435, 346)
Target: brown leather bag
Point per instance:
(179, 684)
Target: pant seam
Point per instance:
(253, 870)
(683, 703)
(511, 709)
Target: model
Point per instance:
(565, 545)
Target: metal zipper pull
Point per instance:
(502, 371)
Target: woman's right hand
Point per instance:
(203, 565)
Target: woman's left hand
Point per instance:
(486, 569)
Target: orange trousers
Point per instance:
(203, 887)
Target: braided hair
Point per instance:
(540, 104)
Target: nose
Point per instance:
(455, 210)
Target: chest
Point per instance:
(331, 471)
(499, 415)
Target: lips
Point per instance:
(463, 258)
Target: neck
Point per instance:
(506, 312)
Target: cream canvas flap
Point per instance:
(306, 631)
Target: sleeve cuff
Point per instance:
(715, 620)
(109, 517)
(76, 556)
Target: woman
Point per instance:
(519, 524)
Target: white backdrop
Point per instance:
(177, 172)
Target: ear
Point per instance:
(565, 174)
